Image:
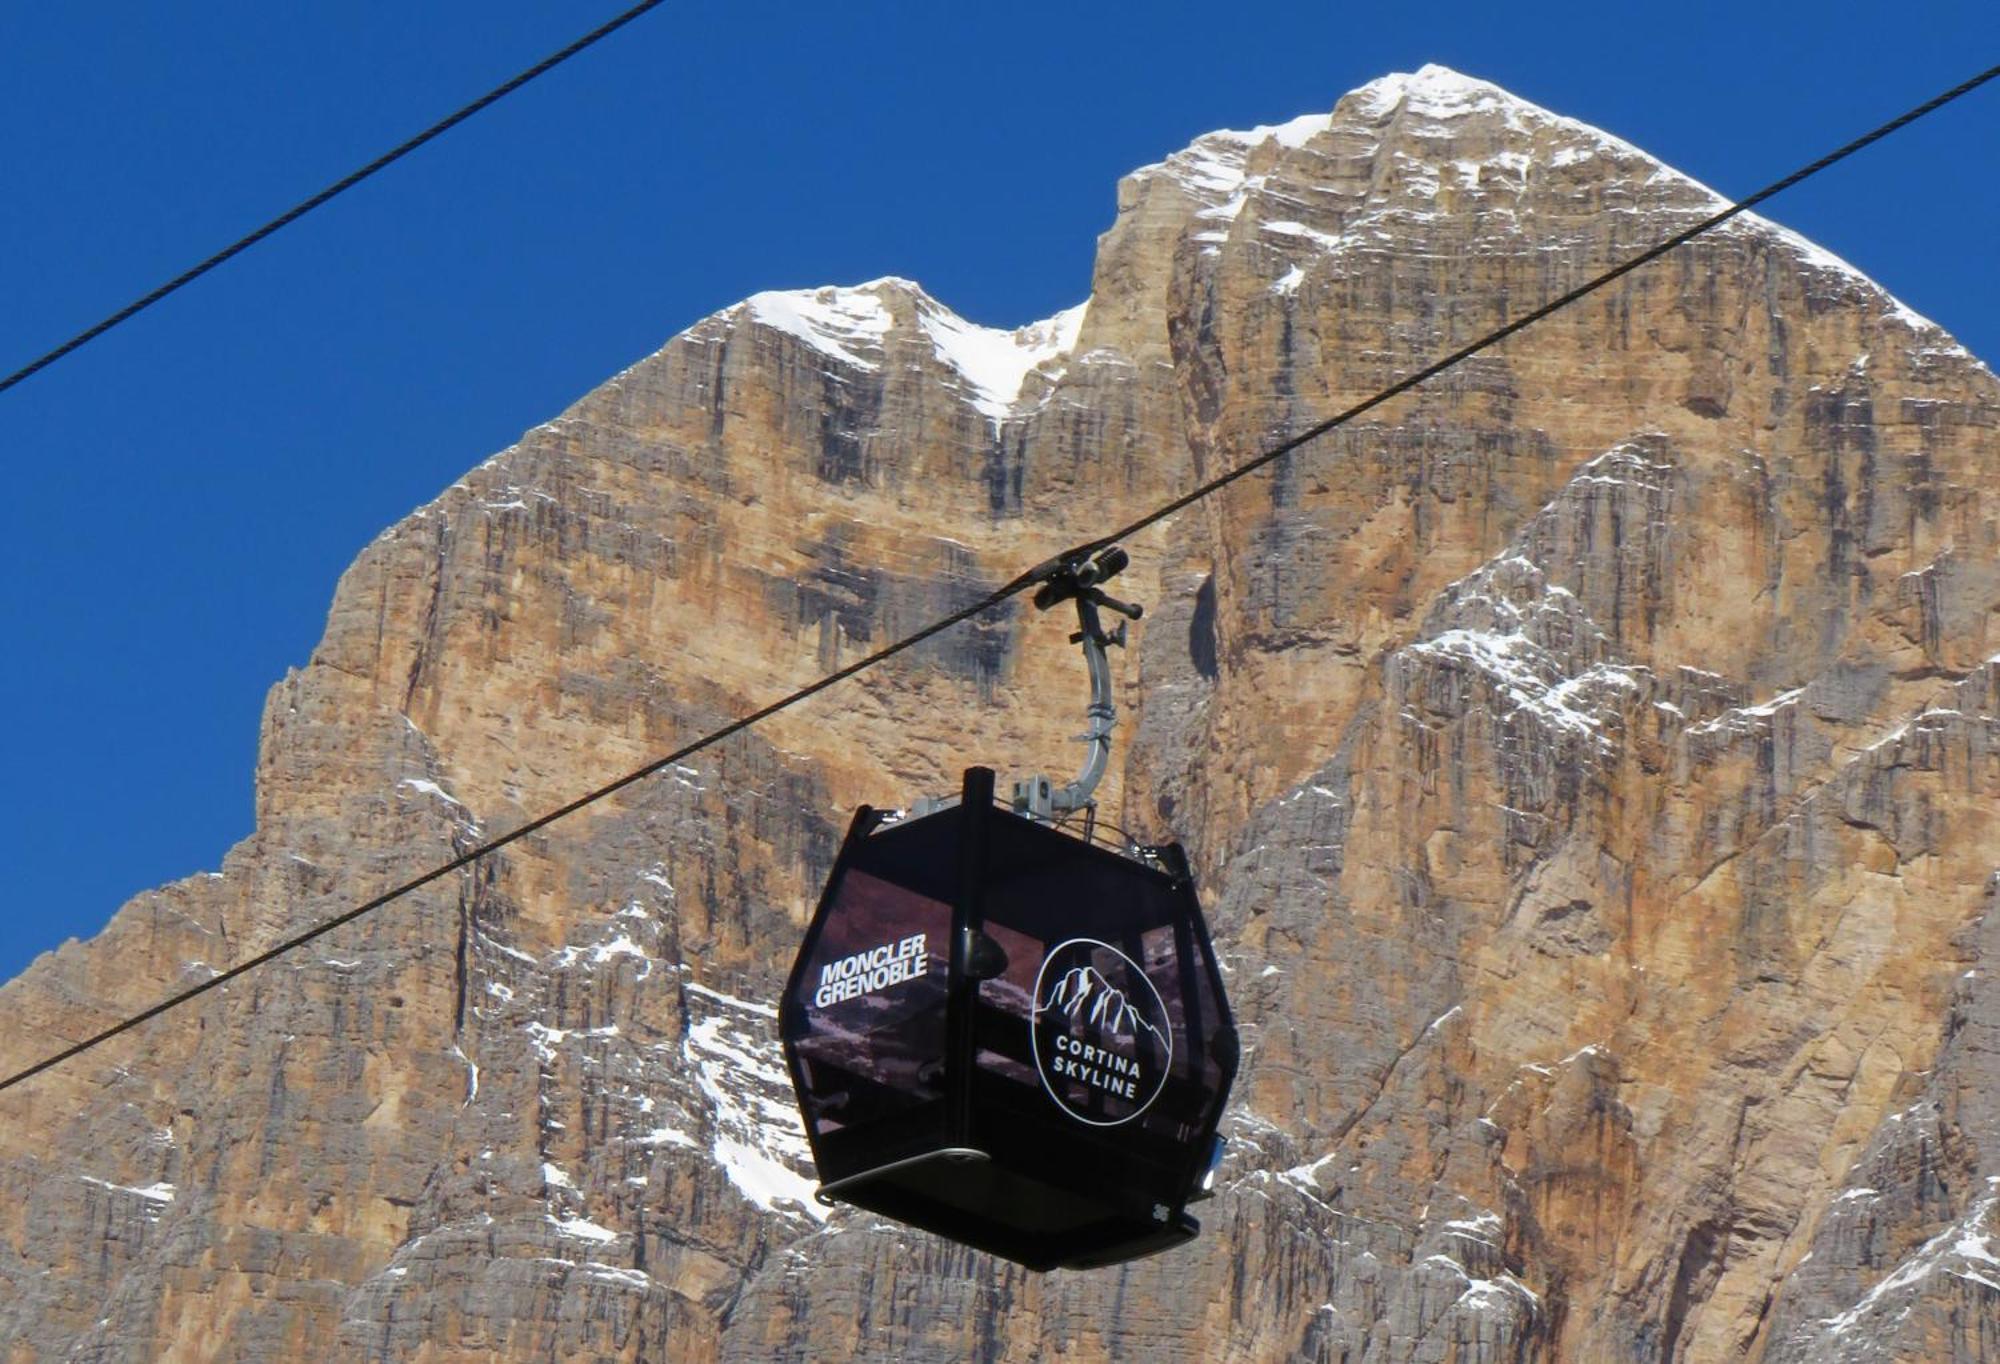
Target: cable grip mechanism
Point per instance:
(1077, 578)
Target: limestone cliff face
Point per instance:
(1591, 758)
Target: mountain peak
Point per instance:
(1439, 89)
(1435, 145)
(1084, 994)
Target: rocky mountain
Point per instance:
(1591, 760)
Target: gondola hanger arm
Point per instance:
(1078, 577)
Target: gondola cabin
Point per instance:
(1010, 1035)
(1006, 1033)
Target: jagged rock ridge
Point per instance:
(1590, 759)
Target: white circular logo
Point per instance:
(1103, 1042)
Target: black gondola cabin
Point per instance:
(1009, 1035)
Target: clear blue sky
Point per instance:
(182, 494)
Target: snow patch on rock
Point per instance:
(994, 364)
(583, 1229)
(160, 1192)
(854, 326)
(848, 325)
(758, 1141)
(1955, 1250)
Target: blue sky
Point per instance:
(183, 493)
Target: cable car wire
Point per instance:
(1031, 578)
(340, 186)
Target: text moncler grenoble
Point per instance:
(876, 969)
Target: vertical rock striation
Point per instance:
(1591, 758)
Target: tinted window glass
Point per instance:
(870, 1008)
(1104, 1008)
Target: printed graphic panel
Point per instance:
(872, 1004)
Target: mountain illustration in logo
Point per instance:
(1081, 995)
